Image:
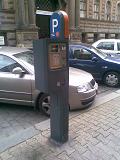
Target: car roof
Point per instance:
(78, 44)
(108, 40)
(12, 50)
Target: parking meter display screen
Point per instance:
(57, 55)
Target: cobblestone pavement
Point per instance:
(14, 118)
(94, 134)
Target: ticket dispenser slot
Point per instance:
(57, 64)
(57, 56)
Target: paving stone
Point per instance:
(94, 141)
(80, 149)
(94, 135)
(82, 140)
(102, 139)
(103, 132)
(50, 158)
(13, 158)
(76, 156)
(69, 150)
(98, 152)
(15, 118)
(89, 155)
(109, 150)
(105, 127)
(6, 155)
(63, 156)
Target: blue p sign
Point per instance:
(55, 26)
(59, 27)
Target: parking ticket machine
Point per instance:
(52, 73)
(51, 65)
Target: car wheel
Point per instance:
(112, 79)
(44, 104)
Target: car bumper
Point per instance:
(80, 100)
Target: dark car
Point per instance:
(101, 65)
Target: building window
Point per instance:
(5, 4)
(96, 9)
(84, 37)
(96, 36)
(3, 39)
(108, 10)
(0, 4)
(83, 8)
(118, 12)
(49, 5)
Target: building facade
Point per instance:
(89, 20)
(17, 22)
(94, 19)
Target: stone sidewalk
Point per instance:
(94, 134)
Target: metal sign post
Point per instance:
(59, 100)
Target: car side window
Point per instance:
(106, 45)
(7, 64)
(82, 54)
(118, 46)
(100, 45)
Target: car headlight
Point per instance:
(84, 87)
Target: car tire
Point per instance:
(112, 79)
(44, 104)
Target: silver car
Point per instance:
(17, 82)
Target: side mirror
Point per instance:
(19, 71)
(94, 59)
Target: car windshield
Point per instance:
(26, 56)
(98, 52)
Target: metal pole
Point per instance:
(59, 115)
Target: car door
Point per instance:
(13, 87)
(85, 60)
